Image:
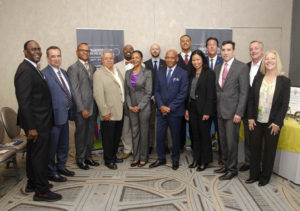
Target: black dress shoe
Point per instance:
(57, 178)
(134, 163)
(250, 181)
(262, 183)
(119, 160)
(228, 176)
(66, 172)
(202, 167)
(175, 165)
(47, 196)
(83, 166)
(91, 162)
(193, 164)
(157, 163)
(142, 164)
(244, 167)
(111, 166)
(221, 170)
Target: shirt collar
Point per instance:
(257, 64)
(31, 62)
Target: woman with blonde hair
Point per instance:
(267, 107)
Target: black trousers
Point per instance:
(202, 147)
(37, 162)
(111, 135)
(260, 132)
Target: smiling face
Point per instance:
(256, 51)
(136, 59)
(83, 52)
(108, 60)
(54, 57)
(33, 52)
(127, 51)
(270, 61)
(227, 52)
(197, 62)
(185, 44)
(171, 58)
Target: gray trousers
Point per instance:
(246, 142)
(140, 129)
(126, 135)
(84, 136)
(229, 138)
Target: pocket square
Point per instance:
(176, 79)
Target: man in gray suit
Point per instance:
(81, 77)
(232, 83)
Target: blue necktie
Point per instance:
(212, 64)
(155, 66)
(169, 76)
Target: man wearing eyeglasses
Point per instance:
(81, 77)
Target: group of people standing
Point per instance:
(139, 102)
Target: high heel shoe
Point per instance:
(142, 163)
(193, 165)
(135, 163)
(201, 167)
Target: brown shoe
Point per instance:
(126, 155)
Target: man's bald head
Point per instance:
(155, 50)
(127, 51)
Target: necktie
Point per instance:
(169, 76)
(224, 74)
(186, 60)
(66, 89)
(212, 64)
(155, 66)
(86, 65)
(40, 73)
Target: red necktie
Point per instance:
(66, 89)
(186, 60)
(224, 74)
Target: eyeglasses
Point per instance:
(35, 49)
(83, 50)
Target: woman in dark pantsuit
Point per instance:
(201, 106)
(138, 90)
(267, 107)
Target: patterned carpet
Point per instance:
(151, 189)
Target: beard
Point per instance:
(155, 55)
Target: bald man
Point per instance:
(154, 64)
(171, 88)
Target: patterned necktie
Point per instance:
(169, 76)
(224, 74)
(155, 66)
(212, 64)
(66, 89)
(186, 60)
(86, 65)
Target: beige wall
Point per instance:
(53, 22)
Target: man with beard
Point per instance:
(35, 116)
(123, 66)
(154, 64)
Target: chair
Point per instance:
(7, 155)
(9, 119)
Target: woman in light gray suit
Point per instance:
(138, 89)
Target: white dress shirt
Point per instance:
(253, 71)
(229, 63)
(183, 55)
(214, 61)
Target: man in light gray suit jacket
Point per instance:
(232, 83)
(81, 77)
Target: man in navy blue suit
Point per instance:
(171, 88)
(63, 109)
(213, 59)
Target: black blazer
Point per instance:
(280, 100)
(149, 66)
(34, 99)
(182, 64)
(205, 93)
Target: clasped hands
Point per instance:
(274, 128)
(134, 109)
(164, 110)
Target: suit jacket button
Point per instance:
(196, 96)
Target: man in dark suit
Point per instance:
(35, 116)
(183, 62)
(81, 78)
(171, 88)
(154, 64)
(232, 81)
(213, 59)
(256, 50)
(63, 109)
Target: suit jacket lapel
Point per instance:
(54, 76)
(277, 90)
